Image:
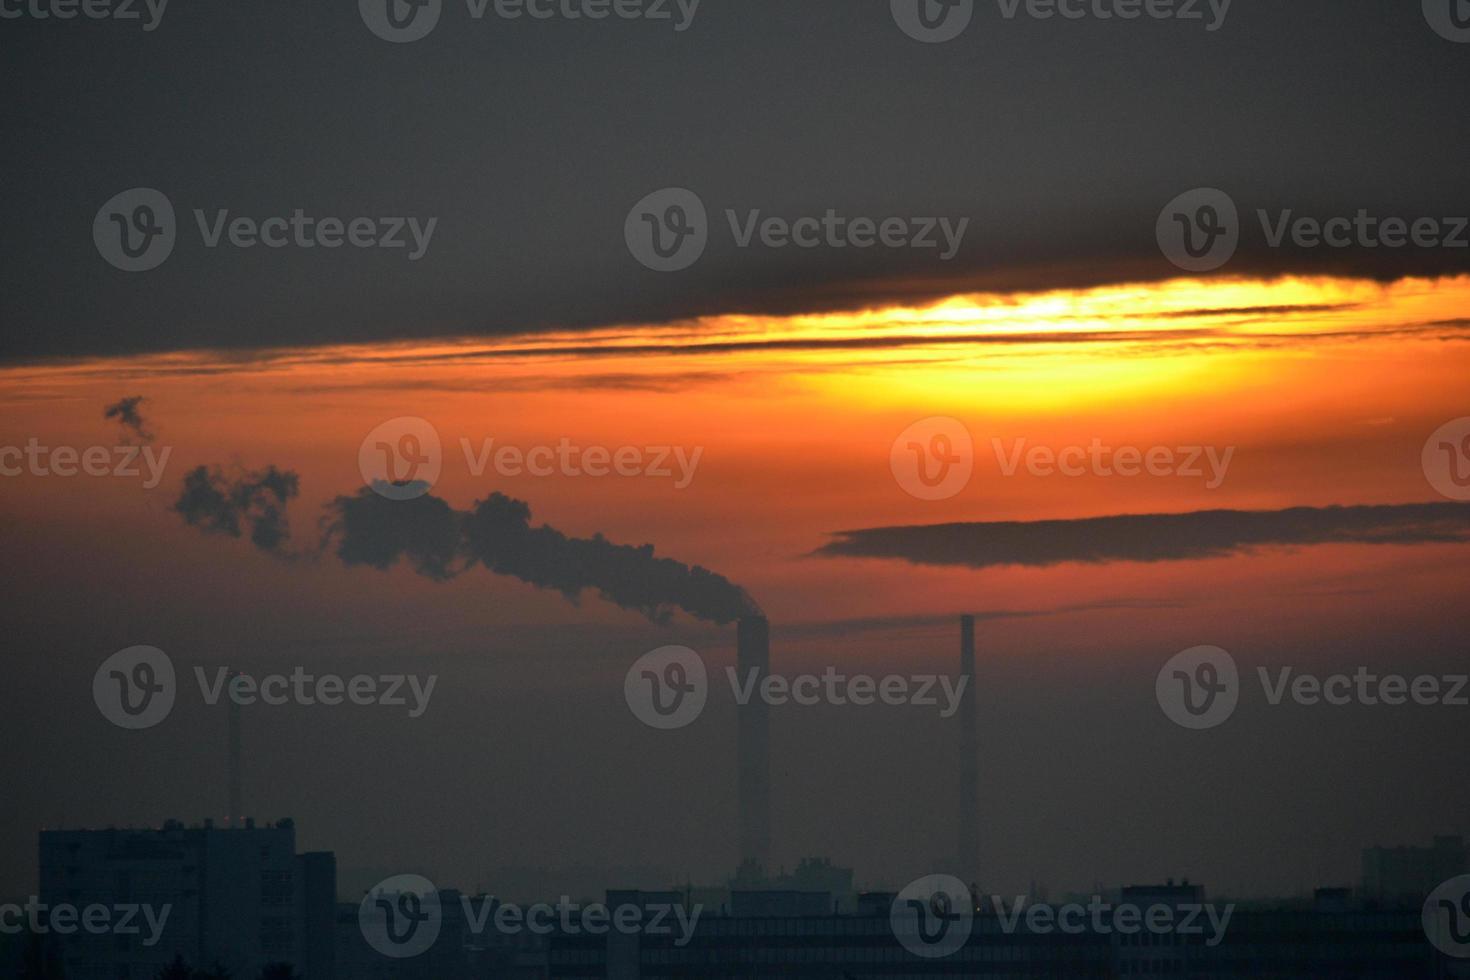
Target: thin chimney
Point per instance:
(753, 652)
(969, 815)
(237, 806)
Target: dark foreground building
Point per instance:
(1331, 939)
(242, 898)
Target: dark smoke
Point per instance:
(127, 414)
(440, 542)
(215, 503)
(373, 530)
(499, 535)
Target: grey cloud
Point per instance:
(1153, 537)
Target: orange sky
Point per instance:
(1326, 389)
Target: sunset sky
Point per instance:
(1308, 402)
(1316, 392)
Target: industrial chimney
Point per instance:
(236, 804)
(969, 831)
(753, 652)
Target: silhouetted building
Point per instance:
(780, 904)
(242, 898)
(1329, 940)
(1406, 875)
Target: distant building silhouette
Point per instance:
(1405, 875)
(1308, 943)
(240, 897)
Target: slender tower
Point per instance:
(236, 816)
(969, 830)
(753, 652)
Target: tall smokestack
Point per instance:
(969, 830)
(753, 652)
(236, 816)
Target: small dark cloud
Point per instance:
(126, 412)
(216, 503)
(1153, 537)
